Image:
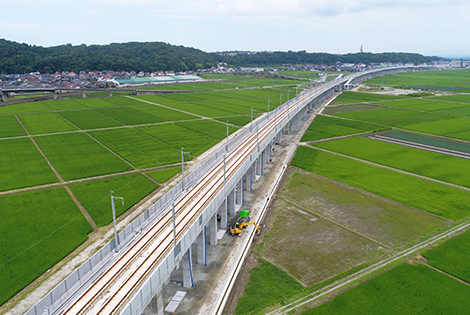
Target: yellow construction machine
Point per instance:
(243, 221)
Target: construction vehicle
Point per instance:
(243, 221)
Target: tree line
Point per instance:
(158, 56)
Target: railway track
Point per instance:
(111, 290)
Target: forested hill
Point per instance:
(302, 57)
(158, 56)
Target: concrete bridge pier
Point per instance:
(4, 97)
(83, 95)
(223, 210)
(231, 200)
(55, 96)
(159, 298)
(212, 230)
(187, 269)
(201, 244)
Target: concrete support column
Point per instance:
(251, 177)
(83, 95)
(187, 269)
(239, 191)
(213, 230)
(230, 201)
(223, 209)
(55, 96)
(270, 152)
(258, 160)
(261, 162)
(159, 298)
(4, 97)
(201, 248)
(243, 190)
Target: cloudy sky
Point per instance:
(429, 27)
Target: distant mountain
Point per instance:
(158, 56)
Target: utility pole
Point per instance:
(182, 167)
(116, 240)
(251, 122)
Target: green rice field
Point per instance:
(452, 257)
(324, 127)
(268, 285)
(22, 165)
(163, 175)
(37, 229)
(432, 80)
(95, 195)
(45, 123)
(406, 289)
(76, 155)
(430, 164)
(136, 147)
(10, 127)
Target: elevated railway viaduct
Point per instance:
(125, 274)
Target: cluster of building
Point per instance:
(81, 80)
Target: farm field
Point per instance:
(448, 80)
(63, 105)
(324, 127)
(178, 136)
(37, 229)
(430, 164)
(45, 123)
(268, 285)
(95, 195)
(445, 127)
(392, 117)
(137, 148)
(382, 220)
(419, 193)
(447, 144)
(163, 175)
(233, 81)
(89, 119)
(312, 249)
(10, 127)
(76, 155)
(32, 107)
(128, 116)
(237, 120)
(349, 97)
(22, 165)
(452, 257)
(395, 292)
(163, 113)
